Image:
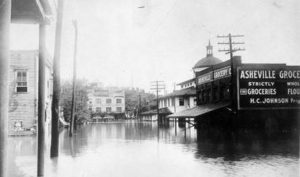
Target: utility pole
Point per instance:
(230, 51)
(56, 82)
(157, 86)
(140, 105)
(5, 18)
(74, 80)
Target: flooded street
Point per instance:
(139, 149)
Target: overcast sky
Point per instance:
(133, 42)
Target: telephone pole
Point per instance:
(230, 51)
(73, 112)
(140, 106)
(56, 82)
(157, 86)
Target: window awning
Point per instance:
(198, 110)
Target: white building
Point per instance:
(185, 98)
(107, 101)
(179, 100)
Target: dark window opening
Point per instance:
(181, 102)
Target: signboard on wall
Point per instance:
(222, 73)
(268, 88)
(214, 75)
(205, 78)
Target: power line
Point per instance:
(230, 51)
(157, 86)
(231, 48)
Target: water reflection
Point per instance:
(133, 148)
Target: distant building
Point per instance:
(23, 91)
(187, 84)
(152, 114)
(106, 101)
(185, 98)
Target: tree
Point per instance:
(132, 104)
(82, 113)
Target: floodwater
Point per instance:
(140, 149)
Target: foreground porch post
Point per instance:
(41, 100)
(5, 18)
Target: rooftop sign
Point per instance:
(268, 88)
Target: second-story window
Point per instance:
(21, 81)
(108, 101)
(181, 102)
(119, 100)
(98, 100)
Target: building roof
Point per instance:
(209, 60)
(198, 110)
(191, 91)
(164, 111)
(187, 81)
(34, 53)
(31, 11)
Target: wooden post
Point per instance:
(157, 102)
(5, 16)
(41, 100)
(56, 82)
(74, 82)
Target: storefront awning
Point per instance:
(198, 111)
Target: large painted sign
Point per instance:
(268, 88)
